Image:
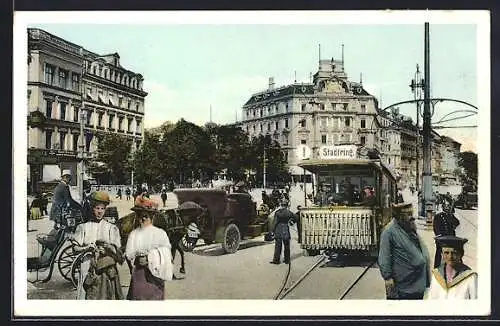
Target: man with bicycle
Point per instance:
(62, 200)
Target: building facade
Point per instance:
(331, 110)
(60, 75)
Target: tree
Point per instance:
(468, 161)
(275, 161)
(146, 164)
(190, 150)
(112, 152)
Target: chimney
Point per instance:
(271, 83)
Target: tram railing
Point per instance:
(338, 228)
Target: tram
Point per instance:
(353, 196)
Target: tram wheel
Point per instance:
(66, 259)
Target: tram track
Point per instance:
(283, 291)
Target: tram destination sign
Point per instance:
(348, 152)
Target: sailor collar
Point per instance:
(462, 273)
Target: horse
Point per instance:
(167, 220)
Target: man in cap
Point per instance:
(62, 199)
(403, 259)
(452, 279)
(282, 217)
(444, 223)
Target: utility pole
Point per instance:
(264, 163)
(81, 164)
(417, 85)
(427, 173)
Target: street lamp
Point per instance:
(417, 87)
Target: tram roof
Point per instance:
(315, 165)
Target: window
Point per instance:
(75, 142)
(268, 126)
(76, 118)
(94, 70)
(48, 139)
(276, 125)
(253, 128)
(286, 107)
(128, 104)
(89, 116)
(137, 107)
(138, 126)
(63, 111)
(322, 106)
(363, 123)
(99, 119)
(75, 82)
(323, 139)
(286, 123)
(120, 123)
(363, 108)
(49, 74)
(129, 125)
(62, 140)
(333, 106)
(48, 109)
(63, 78)
(303, 123)
(261, 127)
(336, 123)
(120, 101)
(363, 140)
(110, 121)
(347, 122)
(345, 106)
(303, 141)
(303, 107)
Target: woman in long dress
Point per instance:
(149, 250)
(99, 279)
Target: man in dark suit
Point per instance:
(445, 223)
(282, 232)
(62, 199)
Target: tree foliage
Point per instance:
(184, 152)
(112, 163)
(468, 161)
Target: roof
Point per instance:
(314, 164)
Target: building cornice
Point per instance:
(109, 107)
(119, 87)
(53, 87)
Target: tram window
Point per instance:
(339, 187)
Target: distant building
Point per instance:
(64, 79)
(331, 110)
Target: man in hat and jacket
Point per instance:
(282, 217)
(403, 258)
(62, 199)
(452, 279)
(444, 223)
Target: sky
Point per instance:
(188, 68)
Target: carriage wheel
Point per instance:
(187, 244)
(66, 259)
(232, 239)
(76, 266)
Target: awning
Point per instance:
(297, 170)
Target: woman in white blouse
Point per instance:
(99, 279)
(148, 248)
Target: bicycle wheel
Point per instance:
(66, 259)
(76, 266)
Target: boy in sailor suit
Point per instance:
(452, 279)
